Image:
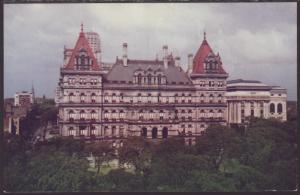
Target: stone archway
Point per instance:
(165, 132)
(154, 132)
(144, 132)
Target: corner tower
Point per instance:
(209, 79)
(80, 91)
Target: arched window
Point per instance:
(279, 108)
(122, 115)
(93, 130)
(71, 97)
(71, 115)
(121, 131)
(82, 115)
(272, 108)
(83, 60)
(82, 97)
(93, 115)
(105, 131)
(93, 97)
(141, 115)
(144, 132)
(72, 132)
(113, 131)
(151, 115)
(165, 133)
(154, 133)
(161, 114)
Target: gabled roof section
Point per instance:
(82, 44)
(203, 52)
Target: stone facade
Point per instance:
(150, 98)
(246, 98)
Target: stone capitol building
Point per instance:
(156, 98)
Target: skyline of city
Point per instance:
(248, 51)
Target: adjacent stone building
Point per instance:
(149, 98)
(248, 98)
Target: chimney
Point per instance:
(177, 61)
(190, 63)
(125, 59)
(165, 57)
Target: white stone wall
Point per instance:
(258, 101)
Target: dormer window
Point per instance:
(159, 79)
(149, 79)
(211, 63)
(83, 61)
(139, 79)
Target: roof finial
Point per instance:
(81, 27)
(204, 35)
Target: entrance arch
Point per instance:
(154, 133)
(165, 133)
(144, 132)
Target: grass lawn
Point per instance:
(106, 168)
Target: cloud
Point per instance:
(255, 40)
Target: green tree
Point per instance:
(47, 171)
(175, 169)
(65, 144)
(124, 181)
(137, 152)
(218, 143)
(102, 151)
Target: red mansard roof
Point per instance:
(82, 42)
(202, 53)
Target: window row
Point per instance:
(82, 98)
(82, 115)
(162, 99)
(211, 83)
(150, 79)
(112, 131)
(82, 81)
(279, 108)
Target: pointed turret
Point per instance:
(206, 61)
(82, 57)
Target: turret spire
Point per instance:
(81, 27)
(204, 35)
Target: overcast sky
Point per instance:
(255, 40)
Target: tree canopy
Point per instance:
(260, 157)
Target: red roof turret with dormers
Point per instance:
(82, 57)
(205, 61)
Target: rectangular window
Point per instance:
(121, 131)
(261, 113)
(113, 131)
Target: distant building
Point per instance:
(94, 42)
(17, 108)
(24, 99)
(12, 116)
(248, 98)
